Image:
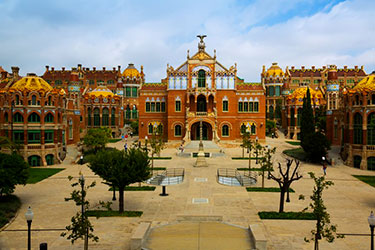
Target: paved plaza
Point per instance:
(349, 202)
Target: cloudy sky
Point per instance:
(97, 33)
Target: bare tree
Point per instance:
(285, 179)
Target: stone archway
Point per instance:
(206, 131)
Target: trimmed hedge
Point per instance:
(295, 143)
(159, 168)
(113, 140)
(271, 215)
(9, 205)
(266, 189)
(369, 179)
(106, 213)
(134, 188)
(162, 158)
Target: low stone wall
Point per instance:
(257, 236)
(139, 235)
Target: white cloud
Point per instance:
(155, 33)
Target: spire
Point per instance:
(201, 44)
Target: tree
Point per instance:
(157, 144)
(121, 168)
(5, 142)
(285, 179)
(81, 227)
(97, 138)
(134, 126)
(307, 121)
(278, 111)
(317, 147)
(247, 143)
(266, 159)
(324, 228)
(13, 170)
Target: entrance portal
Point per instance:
(206, 131)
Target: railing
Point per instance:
(34, 147)
(49, 146)
(370, 147)
(171, 176)
(233, 177)
(357, 146)
(201, 113)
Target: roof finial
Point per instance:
(201, 44)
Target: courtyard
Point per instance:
(349, 203)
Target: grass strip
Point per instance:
(38, 174)
(271, 215)
(369, 179)
(163, 158)
(245, 158)
(114, 140)
(134, 188)
(9, 205)
(295, 143)
(251, 169)
(106, 213)
(297, 153)
(266, 189)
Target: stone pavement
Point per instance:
(349, 202)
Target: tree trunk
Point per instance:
(152, 163)
(121, 199)
(249, 159)
(282, 196)
(243, 152)
(263, 178)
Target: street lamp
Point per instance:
(256, 151)
(371, 222)
(83, 194)
(146, 138)
(81, 159)
(29, 215)
(268, 167)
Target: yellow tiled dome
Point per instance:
(300, 93)
(31, 82)
(366, 85)
(101, 91)
(274, 70)
(131, 71)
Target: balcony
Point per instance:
(370, 147)
(201, 113)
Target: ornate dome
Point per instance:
(131, 71)
(274, 71)
(297, 96)
(31, 82)
(101, 91)
(366, 85)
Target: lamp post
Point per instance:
(81, 159)
(146, 138)
(83, 194)
(29, 215)
(371, 222)
(256, 150)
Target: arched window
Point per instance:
(89, 116)
(225, 105)
(49, 101)
(357, 161)
(6, 119)
(135, 112)
(201, 104)
(105, 117)
(225, 130)
(34, 117)
(371, 129)
(177, 130)
(150, 128)
(371, 163)
(48, 118)
(201, 78)
(270, 112)
(159, 129)
(277, 91)
(357, 129)
(96, 117)
(299, 115)
(272, 91)
(243, 129)
(356, 100)
(18, 102)
(128, 111)
(33, 100)
(253, 129)
(113, 117)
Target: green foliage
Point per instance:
(307, 121)
(103, 213)
(268, 189)
(270, 127)
(324, 228)
(278, 110)
(270, 215)
(157, 144)
(160, 168)
(38, 174)
(80, 227)
(9, 205)
(295, 143)
(134, 125)
(369, 179)
(114, 140)
(13, 170)
(97, 138)
(297, 153)
(5, 142)
(317, 147)
(162, 158)
(321, 118)
(266, 163)
(121, 168)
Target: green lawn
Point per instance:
(271, 215)
(114, 140)
(295, 143)
(38, 174)
(135, 188)
(106, 213)
(369, 179)
(297, 153)
(9, 206)
(266, 189)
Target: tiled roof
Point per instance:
(154, 86)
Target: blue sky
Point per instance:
(97, 33)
